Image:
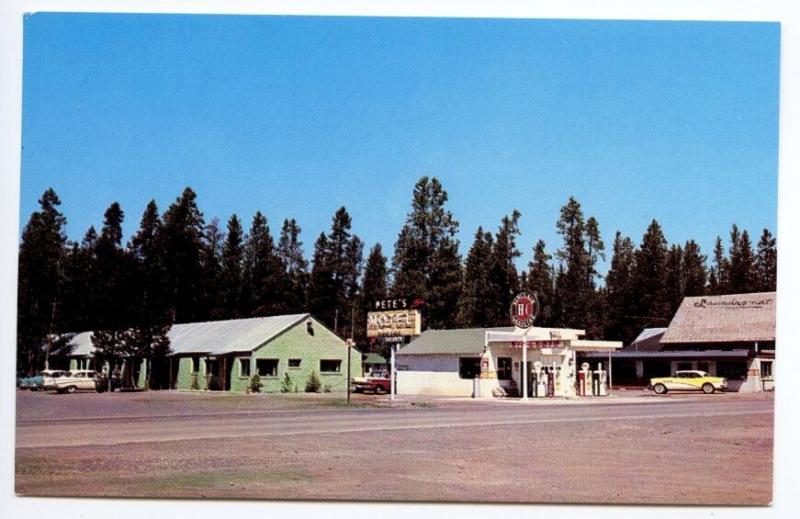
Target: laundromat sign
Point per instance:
(394, 323)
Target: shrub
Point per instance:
(286, 384)
(255, 383)
(313, 384)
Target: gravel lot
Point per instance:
(632, 448)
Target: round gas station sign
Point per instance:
(524, 308)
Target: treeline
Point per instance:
(178, 268)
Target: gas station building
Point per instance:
(487, 362)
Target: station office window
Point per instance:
(504, 368)
(195, 364)
(469, 367)
(294, 363)
(766, 368)
(244, 367)
(330, 366)
(267, 367)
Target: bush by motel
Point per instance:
(731, 336)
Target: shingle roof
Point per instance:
(433, 342)
(728, 318)
(213, 337)
(648, 340)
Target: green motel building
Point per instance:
(224, 356)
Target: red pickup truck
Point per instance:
(377, 382)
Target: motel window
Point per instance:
(469, 367)
(504, 368)
(195, 364)
(294, 363)
(766, 369)
(330, 366)
(244, 367)
(267, 367)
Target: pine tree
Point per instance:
(232, 273)
(575, 295)
(650, 278)
(742, 273)
(503, 279)
(40, 282)
(374, 287)
(183, 234)
(475, 296)
(620, 293)
(767, 262)
(674, 288)
(290, 251)
(211, 286)
(718, 276)
(333, 289)
(693, 270)
(151, 316)
(596, 247)
(540, 281)
(115, 281)
(263, 270)
(426, 262)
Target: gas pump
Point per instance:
(584, 379)
(599, 381)
(602, 381)
(556, 379)
(537, 379)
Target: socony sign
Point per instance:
(393, 323)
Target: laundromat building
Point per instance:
(224, 355)
(731, 336)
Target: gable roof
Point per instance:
(648, 340)
(213, 337)
(449, 342)
(728, 318)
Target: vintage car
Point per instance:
(377, 382)
(46, 379)
(77, 380)
(688, 380)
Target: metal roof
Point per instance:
(449, 342)
(213, 337)
(728, 318)
(648, 340)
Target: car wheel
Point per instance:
(71, 389)
(708, 388)
(379, 390)
(660, 389)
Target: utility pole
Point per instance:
(336, 321)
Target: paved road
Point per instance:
(177, 426)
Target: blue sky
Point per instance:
(296, 116)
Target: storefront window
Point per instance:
(504, 368)
(732, 370)
(469, 367)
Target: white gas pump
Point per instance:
(537, 379)
(603, 375)
(585, 380)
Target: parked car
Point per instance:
(46, 379)
(688, 380)
(377, 382)
(77, 380)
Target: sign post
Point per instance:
(524, 308)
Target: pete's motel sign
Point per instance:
(394, 323)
